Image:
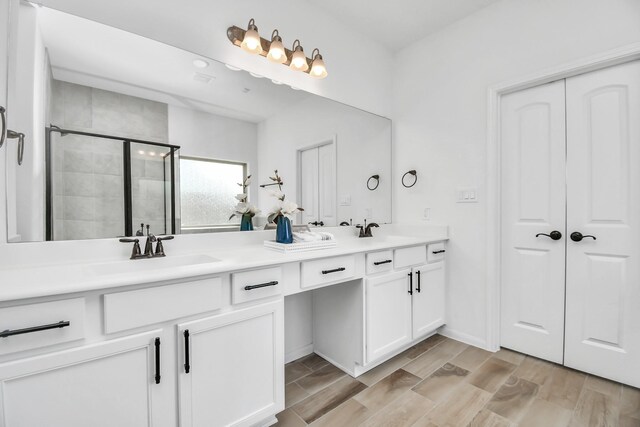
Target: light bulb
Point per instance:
(251, 42)
(318, 69)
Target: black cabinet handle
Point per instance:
(554, 235)
(261, 285)
(8, 332)
(187, 366)
(410, 284)
(386, 261)
(418, 274)
(335, 270)
(577, 236)
(157, 344)
(441, 251)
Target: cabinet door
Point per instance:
(388, 305)
(428, 298)
(232, 367)
(101, 385)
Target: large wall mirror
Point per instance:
(122, 132)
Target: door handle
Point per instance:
(554, 235)
(577, 236)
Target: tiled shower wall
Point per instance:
(88, 178)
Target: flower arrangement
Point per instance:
(244, 208)
(283, 207)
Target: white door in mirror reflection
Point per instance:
(317, 184)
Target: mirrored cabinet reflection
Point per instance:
(121, 130)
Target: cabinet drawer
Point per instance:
(327, 270)
(378, 262)
(41, 325)
(406, 257)
(435, 252)
(132, 309)
(256, 284)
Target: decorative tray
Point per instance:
(299, 246)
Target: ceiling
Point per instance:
(395, 24)
(96, 55)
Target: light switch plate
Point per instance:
(467, 195)
(345, 200)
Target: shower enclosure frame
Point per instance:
(128, 197)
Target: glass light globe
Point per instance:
(318, 69)
(251, 42)
(277, 53)
(299, 60)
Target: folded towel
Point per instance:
(311, 236)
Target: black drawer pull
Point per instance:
(261, 285)
(386, 261)
(187, 365)
(8, 332)
(335, 270)
(441, 251)
(157, 344)
(410, 284)
(418, 288)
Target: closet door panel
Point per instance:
(603, 185)
(327, 184)
(309, 185)
(533, 202)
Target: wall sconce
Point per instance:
(250, 41)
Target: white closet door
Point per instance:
(309, 185)
(603, 184)
(327, 184)
(533, 201)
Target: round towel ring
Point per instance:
(377, 179)
(415, 178)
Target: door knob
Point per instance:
(554, 235)
(577, 236)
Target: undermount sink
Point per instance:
(150, 264)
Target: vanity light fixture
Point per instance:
(274, 50)
(251, 42)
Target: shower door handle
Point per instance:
(11, 134)
(3, 116)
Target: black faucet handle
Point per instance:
(127, 240)
(159, 239)
(160, 246)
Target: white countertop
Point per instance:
(31, 281)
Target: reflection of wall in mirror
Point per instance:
(363, 149)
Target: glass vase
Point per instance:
(283, 230)
(246, 223)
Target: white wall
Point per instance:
(201, 134)
(363, 149)
(355, 63)
(440, 115)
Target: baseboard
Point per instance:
(465, 338)
(298, 353)
(336, 364)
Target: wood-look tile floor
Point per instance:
(441, 382)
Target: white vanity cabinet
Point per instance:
(428, 299)
(81, 387)
(231, 368)
(388, 313)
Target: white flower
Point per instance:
(242, 208)
(253, 209)
(277, 194)
(241, 197)
(289, 207)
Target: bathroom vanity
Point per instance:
(197, 339)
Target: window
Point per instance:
(208, 190)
